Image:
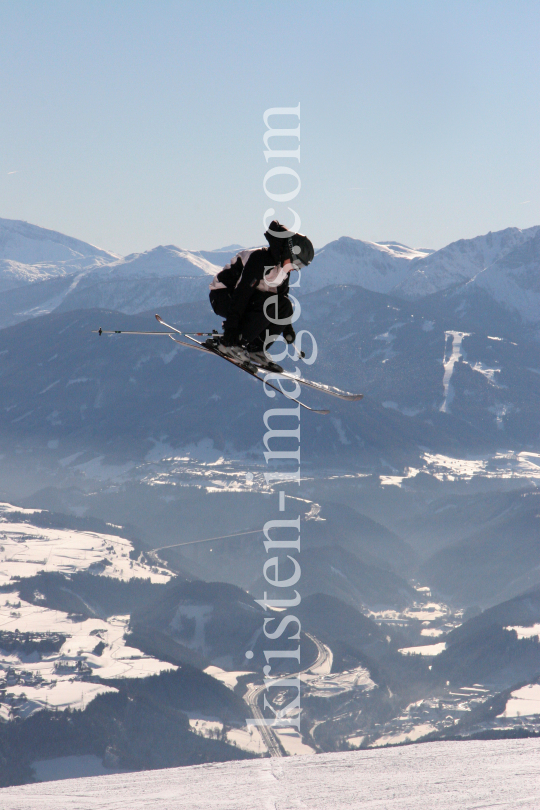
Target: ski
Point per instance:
(316, 386)
(252, 370)
(324, 389)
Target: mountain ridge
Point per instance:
(502, 264)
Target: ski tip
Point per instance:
(322, 412)
(158, 318)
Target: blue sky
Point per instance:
(133, 124)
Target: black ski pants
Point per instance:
(254, 323)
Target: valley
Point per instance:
(134, 597)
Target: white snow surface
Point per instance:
(375, 266)
(429, 649)
(526, 632)
(460, 261)
(52, 680)
(448, 364)
(29, 254)
(514, 280)
(504, 264)
(329, 685)
(411, 734)
(229, 679)
(524, 702)
(443, 775)
(47, 770)
(29, 244)
(16, 274)
(26, 549)
(508, 464)
(116, 661)
(292, 742)
(160, 262)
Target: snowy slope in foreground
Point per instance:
(446, 776)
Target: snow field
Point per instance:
(443, 775)
(523, 702)
(430, 649)
(249, 739)
(412, 734)
(48, 770)
(291, 740)
(526, 632)
(448, 364)
(501, 465)
(230, 679)
(329, 685)
(33, 682)
(25, 550)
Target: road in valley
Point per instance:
(322, 663)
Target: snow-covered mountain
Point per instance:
(377, 267)
(133, 430)
(142, 281)
(160, 262)
(76, 407)
(514, 279)
(436, 379)
(502, 265)
(68, 587)
(132, 295)
(29, 254)
(16, 274)
(30, 244)
(460, 261)
(41, 270)
(505, 264)
(220, 256)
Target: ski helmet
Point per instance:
(300, 250)
(286, 245)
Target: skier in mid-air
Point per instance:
(240, 293)
(251, 293)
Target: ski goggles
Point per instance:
(293, 250)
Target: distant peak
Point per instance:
(226, 249)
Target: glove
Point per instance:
(230, 337)
(289, 334)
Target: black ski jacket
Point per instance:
(245, 282)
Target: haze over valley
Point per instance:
(133, 490)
